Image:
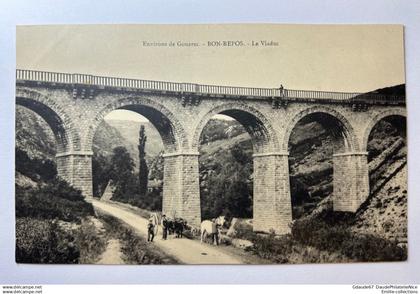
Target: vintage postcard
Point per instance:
(210, 144)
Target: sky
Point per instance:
(348, 58)
(121, 114)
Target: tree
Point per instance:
(156, 167)
(121, 171)
(100, 174)
(238, 199)
(227, 187)
(143, 170)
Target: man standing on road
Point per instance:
(150, 231)
(164, 227)
(215, 229)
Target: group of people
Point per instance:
(169, 227)
(208, 228)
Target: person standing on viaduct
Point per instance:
(281, 91)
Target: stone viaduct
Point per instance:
(75, 104)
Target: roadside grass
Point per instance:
(327, 240)
(135, 249)
(285, 249)
(332, 233)
(91, 242)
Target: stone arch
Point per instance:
(380, 116)
(257, 125)
(270, 191)
(66, 137)
(348, 129)
(170, 129)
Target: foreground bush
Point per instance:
(57, 199)
(323, 240)
(338, 238)
(52, 241)
(276, 250)
(44, 241)
(285, 249)
(48, 228)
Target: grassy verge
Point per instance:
(323, 240)
(285, 249)
(91, 242)
(333, 234)
(135, 249)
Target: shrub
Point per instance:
(56, 199)
(317, 240)
(338, 238)
(43, 241)
(244, 231)
(274, 249)
(39, 236)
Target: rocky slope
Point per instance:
(386, 212)
(107, 138)
(129, 131)
(33, 135)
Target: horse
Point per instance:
(170, 226)
(179, 226)
(212, 228)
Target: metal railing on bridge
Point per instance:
(227, 91)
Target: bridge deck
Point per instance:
(199, 89)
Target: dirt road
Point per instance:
(185, 250)
(112, 254)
